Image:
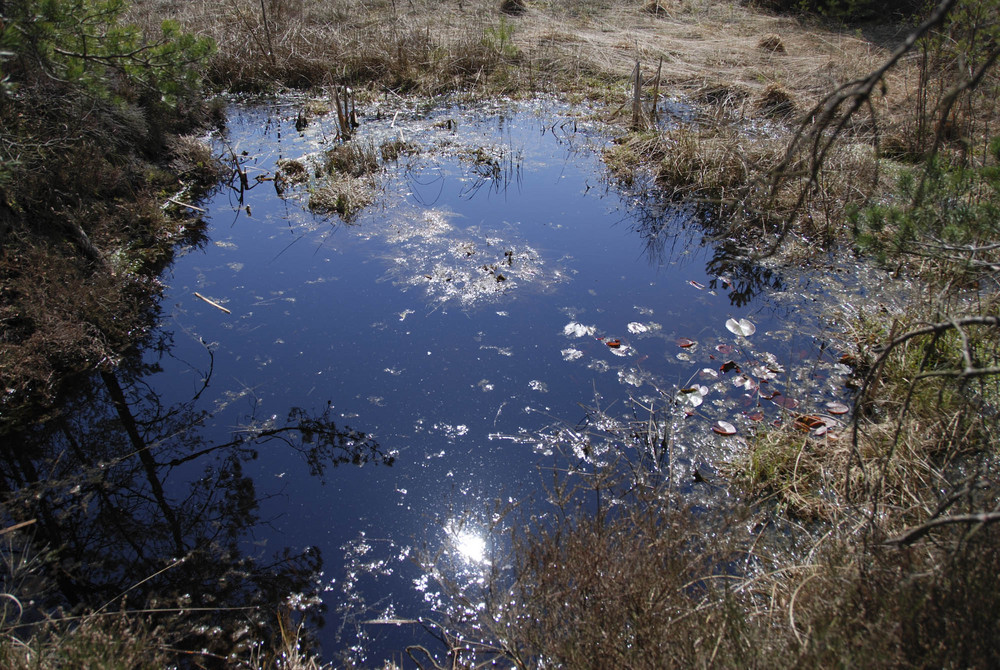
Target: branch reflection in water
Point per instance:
(135, 509)
(662, 224)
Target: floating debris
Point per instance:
(212, 303)
(724, 428)
(574, 329)
(741, 327)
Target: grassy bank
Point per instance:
(92, 147)
(874, 545)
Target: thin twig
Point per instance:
(911, 535)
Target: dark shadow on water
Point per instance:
(658, 222)
(133, 508)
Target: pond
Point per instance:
(337, 396)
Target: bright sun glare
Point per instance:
(469, 545)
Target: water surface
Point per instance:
(497, 286)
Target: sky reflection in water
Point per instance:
(498, 283)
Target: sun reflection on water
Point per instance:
(467, 542)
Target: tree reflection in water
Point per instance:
(658, 222)
(134, 507)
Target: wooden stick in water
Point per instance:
(184, 204)
(212, 303)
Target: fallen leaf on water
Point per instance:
(614, 344)
(741, 327)
(756, 416)
(724, 428)
(837, 408)
(808, 422)
(784, 401)
(729, 366)
(685, 342)
(696, 284)
(725, 349)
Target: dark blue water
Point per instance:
(472, 304)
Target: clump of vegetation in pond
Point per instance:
(391, 150)
(343, 197)
(352, 159)
(346, 177)
(293, 171)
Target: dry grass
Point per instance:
(624, 573)
(116, 641)
(432, 46)
(727, 169)
(403, 47)
(349, 179)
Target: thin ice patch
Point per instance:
(637, 328)
(464, 266)
(630, 377)
(574, 329)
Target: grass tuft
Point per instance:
(775, 102)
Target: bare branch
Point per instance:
(911, 535)
(828, 115)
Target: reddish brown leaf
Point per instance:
(784, 401)
(685, 342)
(724, 428)
(729, 366)
(808, 422)
(614, 344)
(837, 408)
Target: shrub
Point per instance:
(83, 43)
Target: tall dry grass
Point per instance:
(402, 46)
(621, 568)
(426, 46)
